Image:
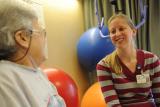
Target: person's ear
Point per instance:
(22, 39)
(134, 32)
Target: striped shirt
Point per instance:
(122, 90)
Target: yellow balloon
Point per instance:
(93, 97)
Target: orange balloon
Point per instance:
(93, 97)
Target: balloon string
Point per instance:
(97, 14)
(143, 12)
(100, 22)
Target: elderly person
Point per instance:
(22, 50)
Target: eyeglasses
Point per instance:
(42, 32)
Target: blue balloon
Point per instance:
(91, 48)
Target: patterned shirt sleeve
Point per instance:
(56, 100)
(107, 86)
(156, 80)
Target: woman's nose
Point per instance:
(117, 33)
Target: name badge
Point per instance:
(143, 78)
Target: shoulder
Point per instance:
(106, 60)
(6, 69)
(150, 58)
(7, 81)
(103, 64)
(10, 71)
(149, 55)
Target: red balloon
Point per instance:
(65, 85)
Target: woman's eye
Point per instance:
(121, 29)
(113, 32)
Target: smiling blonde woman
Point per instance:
(129, 77)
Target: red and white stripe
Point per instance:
(122, 89)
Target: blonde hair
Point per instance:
(112, 59)
(123, 16)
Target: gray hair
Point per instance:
(14, 15)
